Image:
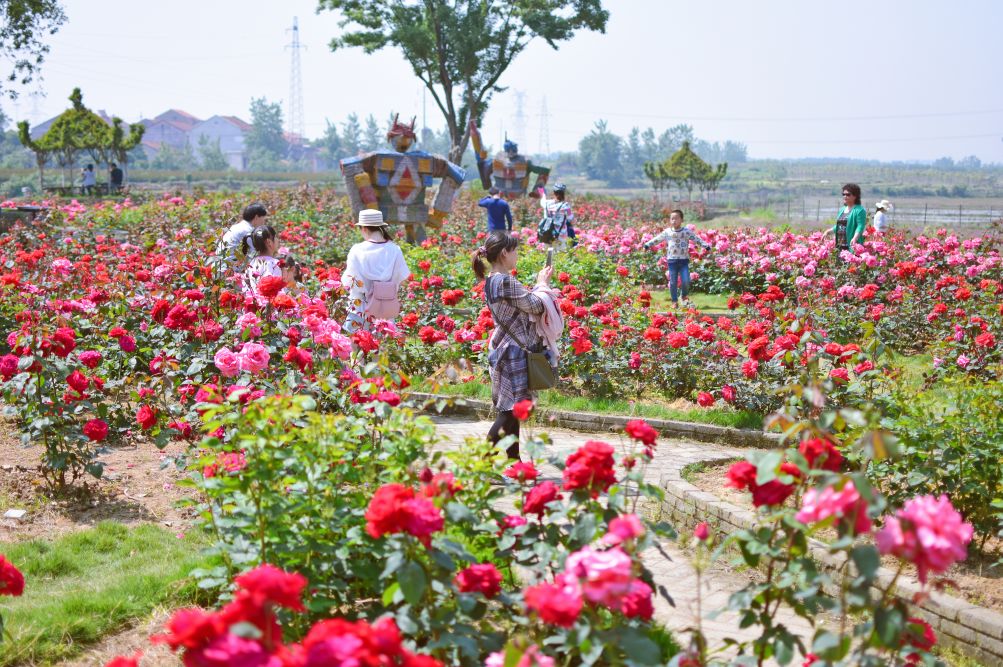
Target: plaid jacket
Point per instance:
(512, 305)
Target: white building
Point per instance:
(230, 131)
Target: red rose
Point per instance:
(522, 471)
(77, 381)
(556, 604)
(11, 579)
(839, 375)
(299, 357)
(590, 468)
(146, 417)
(538, 497)
(386, 514)
(642, 431)
(482, 578)
(269, 583)
(269, 286)
(750, 368)
(705, 399)
(365, 341)
(90, 358)
(581, 345)
(821, 454)
(728, 393)
(190, 628)
(127, 343)
(96, 430)
(702, 531)
(121, 661)
(522, 410)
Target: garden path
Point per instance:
(675, 572)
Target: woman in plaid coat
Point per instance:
(513, 307)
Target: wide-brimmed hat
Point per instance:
(371, 218)
(884, 205)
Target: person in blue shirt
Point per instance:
(498, 211)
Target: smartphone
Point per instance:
(550, 257)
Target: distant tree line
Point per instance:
(619, 161)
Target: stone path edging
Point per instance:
(975, 631)
(591, 422)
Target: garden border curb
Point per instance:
(591, 422)
(975, 631)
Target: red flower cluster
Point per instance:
(742, 475)
(395, 509)
(822, 454)
(482, 578)
(590, 468)
(269, 286)
(642, 431)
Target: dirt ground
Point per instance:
(975, 580)
(138, 487)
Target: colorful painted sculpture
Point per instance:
(394, 182)
(510, 170)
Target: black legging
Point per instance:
(505, 424)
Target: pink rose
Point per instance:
(253, 357)
(845, 503)
(623, 528)
(605, 576)
(701, 531)
(927, 532)
(227, 362)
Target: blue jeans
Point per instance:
(679, 269)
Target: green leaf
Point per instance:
(413, 581)
(638, 646)
(889, 624)
(766, 467)
(828, 646)
(389, 593)
(585, 528)
(867, 560)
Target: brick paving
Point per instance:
(676, 572)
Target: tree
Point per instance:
(330, 144)
(211, 155)
(169, 158)
(672, 139)
(687, 170)
(460, 49)
(23, 26)
(373, 138)
(601, 155)
(633, 156)
(351, 135)
(266, 144)
(656, 173)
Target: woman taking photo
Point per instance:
(513, 307)
(373, 273)
(851, 220)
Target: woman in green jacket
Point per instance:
(851, 220)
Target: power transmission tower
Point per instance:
(544, 127)
(520, 118)
(297, 125)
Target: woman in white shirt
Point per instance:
(880, 217)
(373, 273)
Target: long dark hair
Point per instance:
(496, 242)
(854, 190)
(260, 235)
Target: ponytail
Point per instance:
(477, 262)
(496, 242)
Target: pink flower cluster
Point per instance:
(845, 503)
(253, 357)
(927, 532)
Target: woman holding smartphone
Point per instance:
(513, 307)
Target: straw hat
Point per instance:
(369, 217)
(884, 205)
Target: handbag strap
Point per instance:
(501, 322)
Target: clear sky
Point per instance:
(882, 79)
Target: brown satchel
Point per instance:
(540, 373)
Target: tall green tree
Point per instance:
(601, 154)
(351, 135)
(266, 143)
(24, 24)
(459, 48)
(373, 138)
(330, 145)
(686, 169)
(211, 155)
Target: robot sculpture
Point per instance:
(510, 170)
(394, 182)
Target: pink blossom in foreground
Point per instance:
(845, 503)
(927, 532)
(605, 576)
(623, 528)
(253, 357)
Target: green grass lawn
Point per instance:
(553, 399)
(707, 304)
(89, 584)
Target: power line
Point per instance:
(761, 119)
(544, 146)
